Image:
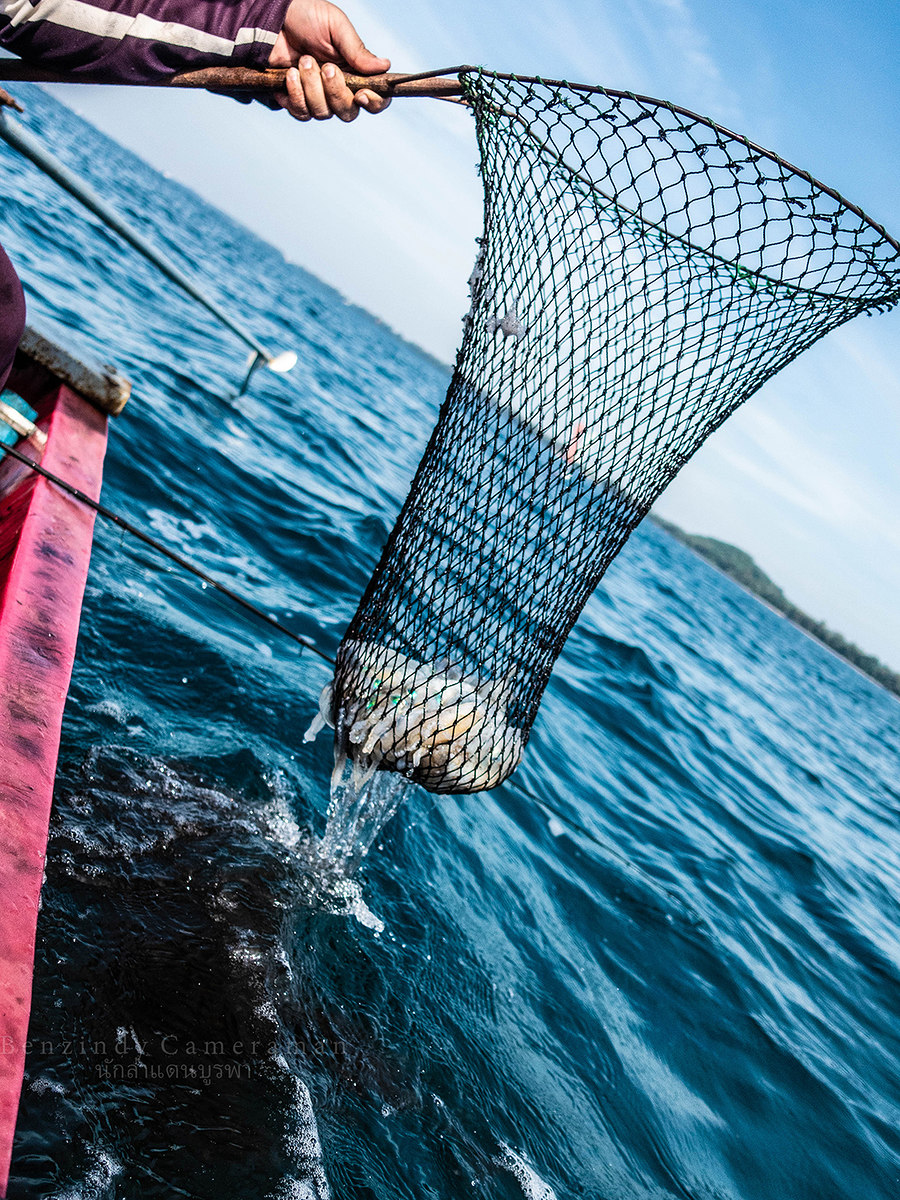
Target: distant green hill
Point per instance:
(741, 567)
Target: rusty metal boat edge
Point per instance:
(45, 548)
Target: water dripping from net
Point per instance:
(357, 813)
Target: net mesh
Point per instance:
(642, 272)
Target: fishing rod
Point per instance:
(161, 548)
(236, 81)
(17, 136)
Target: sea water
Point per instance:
(661, 961)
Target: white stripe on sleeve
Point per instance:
(76, 14)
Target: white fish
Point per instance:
(423, 719)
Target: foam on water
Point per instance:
(342, 895)
(307, 1180)
(99, 1180)
(531, 1183)
(114, 709)
(44, 1085)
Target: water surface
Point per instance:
(662, 961)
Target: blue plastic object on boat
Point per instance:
(8, 436)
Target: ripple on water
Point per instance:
(688, 990)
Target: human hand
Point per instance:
(316, 41)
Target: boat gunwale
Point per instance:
(43, 573)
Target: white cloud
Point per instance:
(871, 346)
(683, 57)
(386, 40)
(788, 464)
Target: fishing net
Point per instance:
(642, 272)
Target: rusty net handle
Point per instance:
(246, 80)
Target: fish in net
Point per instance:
(642, 272)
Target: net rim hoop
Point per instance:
(618, 93)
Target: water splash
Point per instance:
(356, 816)
(357, 813)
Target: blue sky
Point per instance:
(804, 477)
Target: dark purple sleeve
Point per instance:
(12, 315)
(130, 41)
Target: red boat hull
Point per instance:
(45, 546)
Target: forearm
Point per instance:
(140, 40)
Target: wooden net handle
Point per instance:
(246, 80)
